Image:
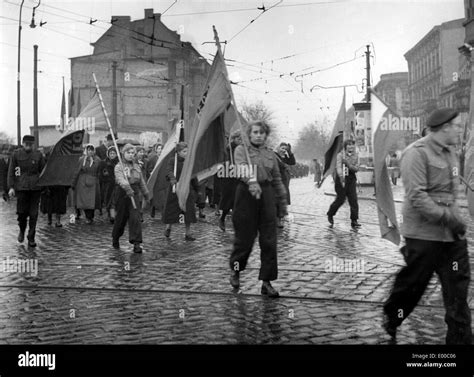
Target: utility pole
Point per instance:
(18, 116)
(35, 96)
(367, 62)
(114, 97)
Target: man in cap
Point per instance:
(101, 150)
(434, 230)
(24, 170)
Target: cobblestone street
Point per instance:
(178, 292)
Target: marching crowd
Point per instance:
(432, 226)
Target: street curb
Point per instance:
(373, 199)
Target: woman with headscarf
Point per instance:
(107, 177)
(86, 183)
(172, 213)
(228, 184)
(131, 184)
(255, 208)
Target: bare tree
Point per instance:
(259, 111)
(312, 142)
(6, 139)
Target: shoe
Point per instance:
(389, 328)
(115, 244)
(31, 243)
(202, 215)
(280, 223)
(21, 236)
(88, 221)
(58, 225)
(222, 224)
(189, 238)
(331, 220)
(152, 214)
(50, 220)
(355, 224)
(167, 233)
(235, 279)
(137, 249)
(268, 290)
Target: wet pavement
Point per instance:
(177, 292)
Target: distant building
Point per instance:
(393, 88)
(152, 65)
(434, 65)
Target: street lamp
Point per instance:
(33, 25)
(18, 116)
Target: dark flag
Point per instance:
(335, 142)
(62, 162)
(207, 144)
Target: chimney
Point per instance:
(149, 13)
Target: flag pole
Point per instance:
(112, 134)
(243, 135)
(179, 126)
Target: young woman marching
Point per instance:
(107, 177)
(172, 212)
(255, 209)
(130, 183)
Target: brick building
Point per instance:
(152, 65)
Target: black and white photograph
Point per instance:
(285, 181)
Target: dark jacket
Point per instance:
(171, 209)
(24, 170)
(106, 170)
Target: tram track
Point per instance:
(194, 292)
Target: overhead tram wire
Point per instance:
(264, 10)
(152, 39)
(253, 9)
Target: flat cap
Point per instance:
(28, 139)
(441, 116)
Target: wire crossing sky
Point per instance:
(292, 55)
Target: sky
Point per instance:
(274, 57)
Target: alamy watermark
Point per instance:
(19, 265)
(394, 123)
(229, 170)
(78, 123)
(344, 265)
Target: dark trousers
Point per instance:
(89, 213)
(450, 261)
(126, 213)
(27, 205)
(252, 216)
(348, 190)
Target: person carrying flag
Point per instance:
(345, 180)
(131, 184)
